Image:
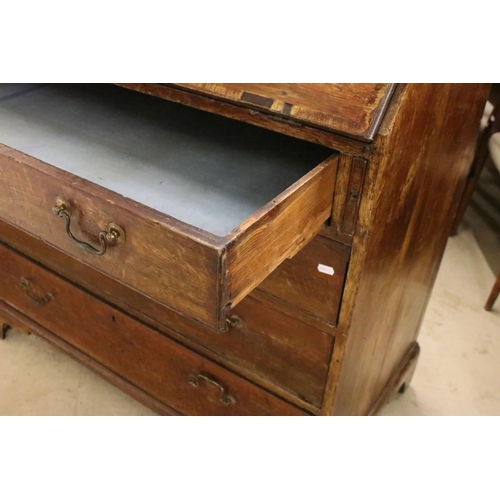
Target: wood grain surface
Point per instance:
(399, 381)
(277, 347)
(299, 282)
(170, 262)
(25, 324)
(246, 113)
(185, 268)
(279, 230)
(414, 181)
(144, 357)
(351, 109)
(394, 199)
(197, 167)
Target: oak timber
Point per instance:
(146, 358)
(284, 352)
(279, 230)
(163, 155)
(392, 200)
(411, 193)
(187, 268)
(301, 282)
(352, 109)
(24, 324)
(251, 115)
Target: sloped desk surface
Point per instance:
(351, 109)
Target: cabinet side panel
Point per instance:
(416, 173)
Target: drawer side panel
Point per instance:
(280, 230)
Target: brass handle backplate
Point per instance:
(225, 398)
(34, 297)
(115, 235)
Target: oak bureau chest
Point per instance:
(232, 249)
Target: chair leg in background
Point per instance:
(493, 295)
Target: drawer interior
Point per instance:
(205, 170)
(207, 206)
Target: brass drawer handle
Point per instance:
(225, 398)
(39, 301)
(115, 235)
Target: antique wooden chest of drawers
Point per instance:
(232, 249)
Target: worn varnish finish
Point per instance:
(299, 282)
(253, 116)
(421, 161)
(391, 208)
(279, 231)
(348, 190)
(156, 258)
(399, 381)
(185, 268)
(145, 358)
(283, 351)
(351, 109)
(24, 324)
(294, 354)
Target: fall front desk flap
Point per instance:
(350, 109)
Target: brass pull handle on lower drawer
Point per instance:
(115, 235)
(38, 300)
(225, 398)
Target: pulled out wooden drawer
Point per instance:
(161, 367)
(188, 208)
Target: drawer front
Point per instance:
(193, 272)
(161, 367)
(270, 343)
(153, 259)
(313, 280)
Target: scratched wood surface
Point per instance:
(178, 268)
(287, 357)
(253, 115)
(160, 366)
(23, 323)
(421, 162)
(280, 230)
(197, 167)
(393, 199)
(184, 267)
(351, 109)
(302, 282)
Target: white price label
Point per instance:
(326, 269)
